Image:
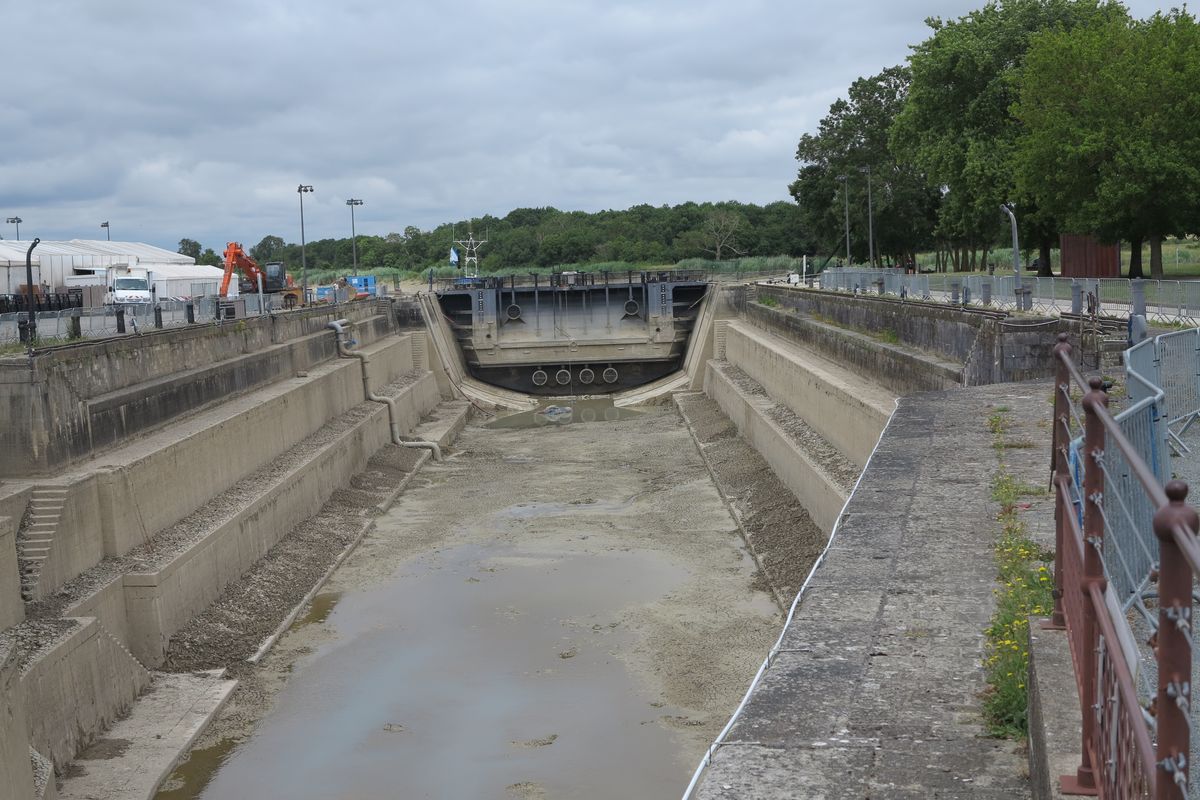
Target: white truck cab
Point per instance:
(129, 285)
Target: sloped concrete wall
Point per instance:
(79, 688)
(839, 411)
(815, 490)
(73, 401)
(161, 602)
(123, 505)
(12, 608)
(16, 771)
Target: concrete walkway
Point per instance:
(876, 690)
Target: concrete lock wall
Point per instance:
(124, 505)
(981, 346)
(899, 370)
(16, 771)
(70, 402)
(813, 487)
(159, 603)
(82, 685)
(843, 417)
(12, 609)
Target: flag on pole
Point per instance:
(453, 257)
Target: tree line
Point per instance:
(530, 238)
(1079, 116)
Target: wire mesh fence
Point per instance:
(1171, 301)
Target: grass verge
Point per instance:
(1025, 583)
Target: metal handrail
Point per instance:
(1122, 753)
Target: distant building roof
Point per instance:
(85, 253)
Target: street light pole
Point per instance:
(353, 233)
(870, 220)
(303, 189)
(17, 221)
(107, 230)
(846, 197)
(1016, 252)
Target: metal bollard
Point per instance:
(120, 320)
(191, 314)
(158, 317)
(1137, 293)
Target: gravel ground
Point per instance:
(249, 610)
(33, 637)
(828, 457)
(779, 529)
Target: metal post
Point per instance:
(262, 309)
(1016, 255)
(107, 231)
(1076, 296)
(1174, 643)
(17, 221)
(846, 197)
(302, 190)
(1137, 292)
(158, 320)
(31, 325)
(352, 202)
(870, 219)
(190, 311)
(1060, 468)
(1084, 779)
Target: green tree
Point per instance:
(189, 247)
(209, 258)
(269, 249)
(1111, 140)
(956, 125)
(854, 139)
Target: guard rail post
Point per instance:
(1174, 644)
(1060, 469)
(1084, 779)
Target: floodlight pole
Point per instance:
(352, 202)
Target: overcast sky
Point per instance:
(199, 120)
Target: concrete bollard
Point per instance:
(75, 328)
(955, 289)
(985, 292)
(967, 295)
(120, 320)
(191, 313)
(879, 286)
(1076, 297)
(1137, 293)
(158, 317)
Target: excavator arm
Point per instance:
(236, 259)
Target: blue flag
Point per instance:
(453, 257)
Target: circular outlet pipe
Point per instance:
(540, 377)
(563, 377)
(609, 375)
(586, 375)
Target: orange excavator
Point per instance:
(275, 279)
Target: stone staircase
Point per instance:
(418, 351)
(720, 330)
(36, 536)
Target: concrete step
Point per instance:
(60, 491)
(45, 516)
(41, 553)
(41, 527)
(160, 728)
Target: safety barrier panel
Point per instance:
(1160, 300)
(1118, 529)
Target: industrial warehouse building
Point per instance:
(175, 275)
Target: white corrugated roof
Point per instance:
(89, 252)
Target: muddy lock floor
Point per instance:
(565, 610)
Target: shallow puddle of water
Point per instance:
(474, 672)
(564, 411)
(319, 609)
(188, 779)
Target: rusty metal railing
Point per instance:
(1132, 746)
